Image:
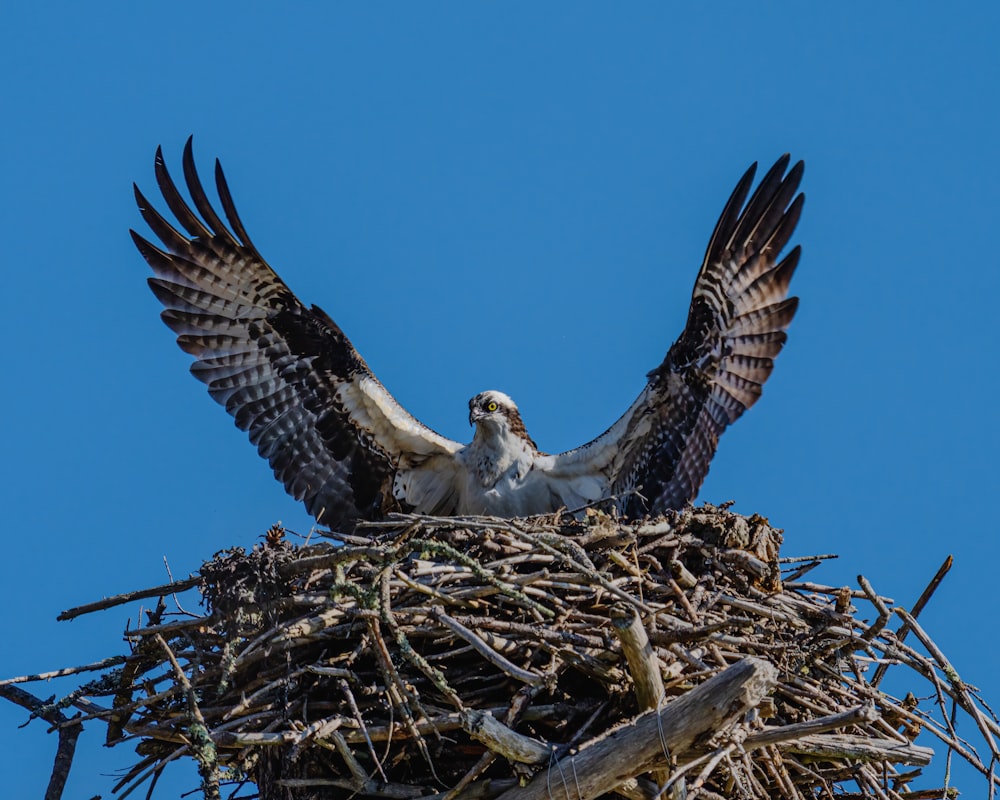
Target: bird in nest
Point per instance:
(340, 443)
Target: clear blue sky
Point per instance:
(497, 196)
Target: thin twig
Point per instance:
(106, 663)
(922, 601)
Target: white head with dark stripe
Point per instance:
(495, 415)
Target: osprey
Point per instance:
(340, 443)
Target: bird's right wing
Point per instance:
(286, 373)
(658, 453)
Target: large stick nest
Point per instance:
(328, 671)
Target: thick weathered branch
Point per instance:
(643, 664)
(788, 733)
(842, 746)
(482, 726)
(652, 738)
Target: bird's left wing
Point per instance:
(658, 453)
(286, 373)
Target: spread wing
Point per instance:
(657, 455)
(286, 373)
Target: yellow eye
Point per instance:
(492, 406)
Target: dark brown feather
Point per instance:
(274, 364)
(517, 426)
(717, 367)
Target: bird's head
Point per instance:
(494, 413)
(492, 409)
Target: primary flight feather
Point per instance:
(340, 443)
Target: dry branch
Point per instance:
(861, 748)
(483, 727)
(653, 738)
(790, 733)
(69, 732)
(643, 663)
(174, 587)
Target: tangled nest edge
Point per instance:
(328, 671)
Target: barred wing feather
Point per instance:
(657, 454)
(286, 373)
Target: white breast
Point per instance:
(529, 484)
